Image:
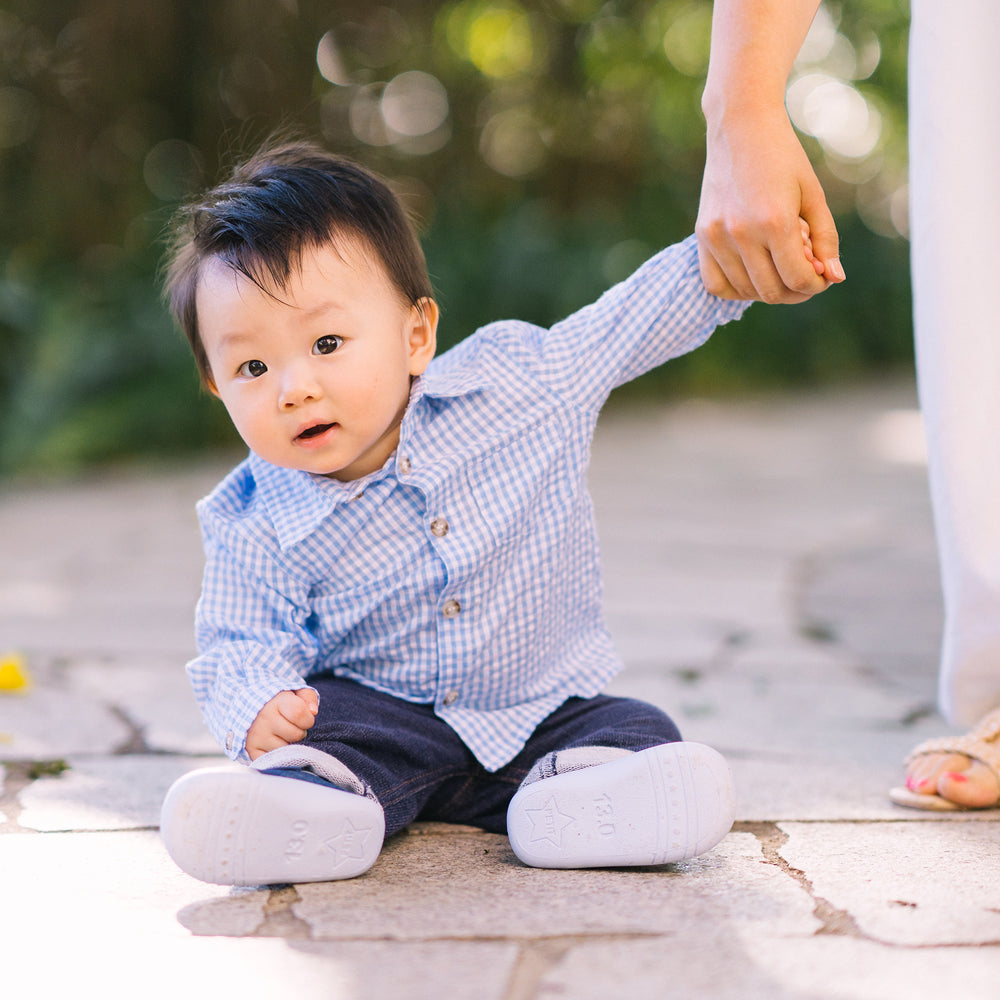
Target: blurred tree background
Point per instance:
(546, 149)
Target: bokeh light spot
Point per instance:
(244, 82)
(365, 115)
(869, 55)
(330, 63)
(414, 103)
(172, 169)
(836, 114)
(687, 40)
(382, 39)
(820, 39)
(511, 143)
(497, 38)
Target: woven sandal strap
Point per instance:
(988, 728)
(982, 750)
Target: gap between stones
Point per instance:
(833, 921)
(18, 775)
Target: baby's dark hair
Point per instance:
(287, 198)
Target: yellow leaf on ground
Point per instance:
(14, 674)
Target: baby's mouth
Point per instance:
(314, 431)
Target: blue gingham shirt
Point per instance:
(465, 572)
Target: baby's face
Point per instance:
(316, 377)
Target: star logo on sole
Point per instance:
(349, 844)
(548, 823)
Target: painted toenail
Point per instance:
(956, 776)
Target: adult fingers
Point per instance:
(723, 273)
(782, 275)
(743, 266)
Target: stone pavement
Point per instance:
(771, 582)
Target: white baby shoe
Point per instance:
(668, 803)
(244, 826)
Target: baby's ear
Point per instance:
(423, 321)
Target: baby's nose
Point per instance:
(298, 387)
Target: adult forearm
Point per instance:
(759, 187)
(754, 46)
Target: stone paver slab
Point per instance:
(749, 711)
(471, 886)
(50, 722)
(100, 705)
(104, 793)
(92, 576)
(718, 965)
(918, 884)
(864, 599)
(432, 970)
(155, 697)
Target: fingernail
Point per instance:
(956, 776)
(835, 269)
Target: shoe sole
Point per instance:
(664, 804)
(241, 827)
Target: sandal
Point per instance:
(981, 743)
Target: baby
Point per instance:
(401, 614)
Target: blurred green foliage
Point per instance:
(546, 149)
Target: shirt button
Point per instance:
(451, 609)
(439, 527)
(230, 740)
(405, 465)
(451, 697)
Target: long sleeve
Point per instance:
(252, 634)
(660, 312)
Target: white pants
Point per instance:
(955, 231)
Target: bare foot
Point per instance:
(955, 777)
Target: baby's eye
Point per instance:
(327, 345)
(251, 369)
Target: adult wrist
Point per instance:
(737, 105)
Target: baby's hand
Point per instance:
(285, 719)
(807, 245)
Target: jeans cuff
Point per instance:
(573, 759)
(295, 755)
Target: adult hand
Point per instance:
(758, 186)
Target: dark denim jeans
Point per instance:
(419, 768)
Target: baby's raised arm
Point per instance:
(285, 719)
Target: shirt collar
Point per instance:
(443, 380)
(296, 502)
